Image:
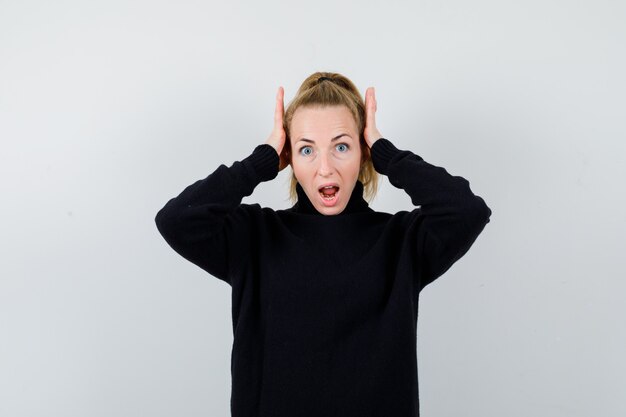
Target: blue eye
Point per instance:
(346, 146)
(305, 147)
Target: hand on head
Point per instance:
(278, 136)
(371, 133)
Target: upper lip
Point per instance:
(334, 184)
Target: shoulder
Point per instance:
(400, 221)
(258, 213)
(399, 216)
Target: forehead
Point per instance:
(322, 119)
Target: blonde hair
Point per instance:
(338, 91)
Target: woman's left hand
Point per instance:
(370, 133)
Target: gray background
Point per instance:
(110, 108)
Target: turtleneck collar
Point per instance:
(356, 203)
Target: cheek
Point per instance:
(355, 166)
(356, 171)
(299, 168)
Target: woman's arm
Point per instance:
(206, 223)
(450, 218)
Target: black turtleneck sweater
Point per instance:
(324, 308)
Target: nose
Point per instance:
(325, 167)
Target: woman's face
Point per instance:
(325, 150)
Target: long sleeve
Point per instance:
(450, 216)
(207, 224)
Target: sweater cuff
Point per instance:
(382, 152)
(264, 160)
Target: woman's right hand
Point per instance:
(278, 136)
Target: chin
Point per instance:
(330, 211)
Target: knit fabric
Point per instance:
(324, 308)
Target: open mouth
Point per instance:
(329, 194)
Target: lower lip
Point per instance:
(329, 202)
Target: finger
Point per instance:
(374, 98)
(371, 108)
(278, 115)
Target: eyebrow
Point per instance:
(332, 140)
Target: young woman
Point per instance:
(325, 293)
